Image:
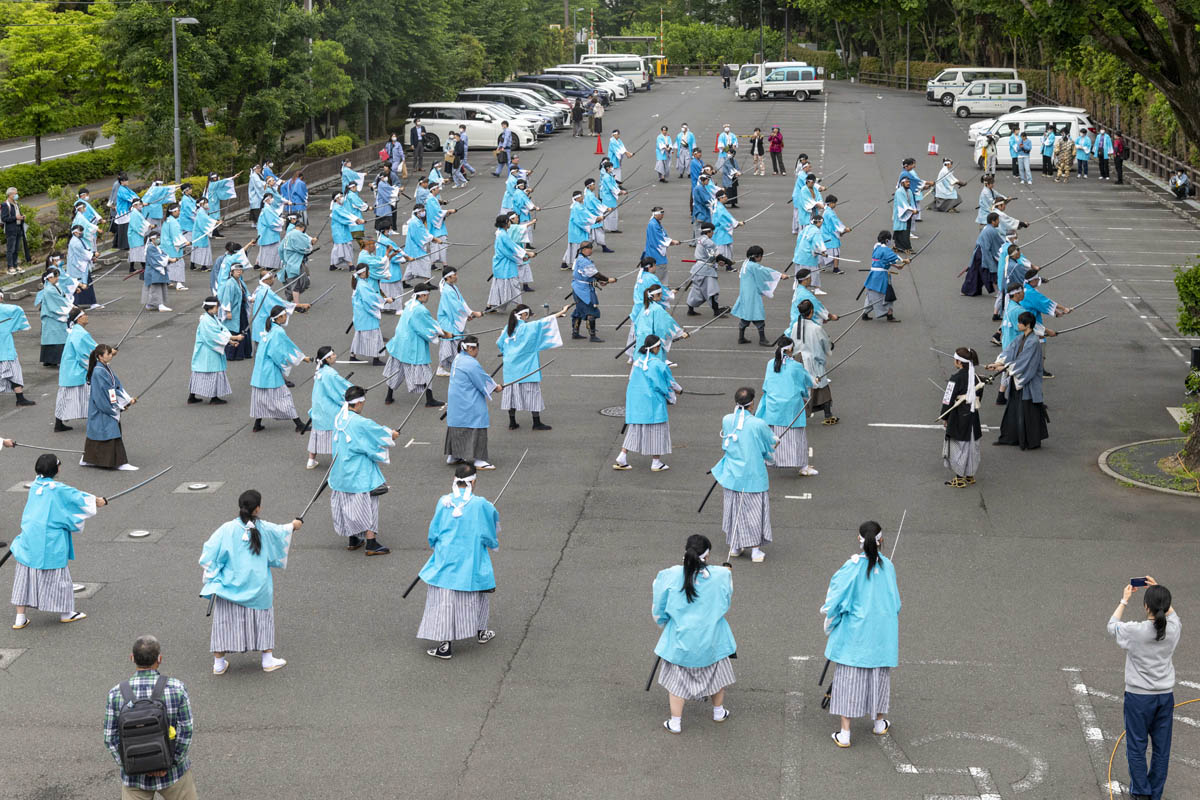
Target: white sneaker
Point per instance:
(312, 464)
(127, 468)
(161, 307)
(818, 291)
(808, 472)
(442, 373)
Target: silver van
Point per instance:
(947, 84)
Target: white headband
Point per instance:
(972, 399)
(878, 538)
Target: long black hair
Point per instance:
(275, 312)
(514, 317)
(648, 292)
(97, 351)
(1158, 601)
(697, 545)
(867, 532)
(780, 343)
(248, 502)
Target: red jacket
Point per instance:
(775, 141)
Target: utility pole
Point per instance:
(309, 125)
(907, 54)
(567, 13)
(762, 55)
(366, 111)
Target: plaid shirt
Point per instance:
(179, 715)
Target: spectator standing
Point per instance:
(1102, 148)
(14, 227)
(598, 117)
(175, 782)
(577, 115)
(416, 138)
(775, 145)
(757, 141)
(1149, 685)
(1024, 149)
(1119, 155)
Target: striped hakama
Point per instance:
(467, 444)
(354, 513)
(320, 441)
(274, 403)
(447, 350)
(137, 255)
(202, 256)
(569, 255)
(154, 294)
(504, 291)
(827, 258)
(795, 220)
(946, 203)
(522, 397)
(72, 402)
(524, 272)
(792, 450)
(417, 377)
(391, 288)
(43, 589)
(437, 252)
(418, 268)
(745, 518)
(701, 290)
(368, 344)
(209, 384)
(610, 220)
(341, 254)
(724, 250)
(652, 439)
(597, 234)
(662, 167)
(962, 458)
(451, 614)
(10, 375)
(177, 271)
(860, 691)
(268, 257)
(696, 683)
(237, 629)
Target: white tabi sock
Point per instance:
(843, 737)
(880, 725)
(20, 620)
(219, 663)
(676, 723)
(718, 712)
(656, 463)
(621, 459)
(756, 552)
(269, 660)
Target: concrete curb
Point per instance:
(1152, 189)
(1107, 470)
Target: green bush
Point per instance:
(31, 179)
(822, 58)
(324, 148)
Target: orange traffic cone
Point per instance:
(869, 146)
(599, 149)
(716, 143)
(933, 146)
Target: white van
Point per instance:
(778, 79)
(482, 121)
(606, 73)
(947, 84)
(991, 96)
(1033, 123)
(624, 65)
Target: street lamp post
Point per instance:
(175, 82)
(575, 34)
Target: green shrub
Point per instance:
(324, 148)
(31, 179)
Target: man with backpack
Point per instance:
(148, 729)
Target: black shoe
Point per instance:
(526, 287)
(216, 401)
(289, 384)
(618, 230)
(356, 358)
(22, 401)
(376, 362)
(541, 426)
(996, 317)
(606, 249)
(838, 271)
(890, 318)
(354, 542)
(441, 651)
(193, 399)
(866, 316)
(1047, 373)
(719, 311)
(59, 427)
(513, 424)
(595, 338)
(743, 340)
(332, 268)
(1001, 400)
(691, 312)
(765, 343)
(577, 335)
(563, 265)
(374, 548)
(433, 402)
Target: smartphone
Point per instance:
(1137, 582)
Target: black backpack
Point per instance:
(143, 731)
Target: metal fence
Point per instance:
(892, 81)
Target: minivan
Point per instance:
(483, 125)
(991, 96)
(615, 85)
(623, 64)
(947, 84)
(570, 85)
(518, 99)
(548, 93)
(1034, 124)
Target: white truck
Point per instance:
(778, 79)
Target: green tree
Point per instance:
(331, 88)
(47, 59)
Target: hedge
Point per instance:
(821, 58)
(324, 148)
(31, 179)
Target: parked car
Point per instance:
(483, 125)
(984, 124)
(946, 85)
(607, 73)
(991, 96)
(1032, 123)
(535, 121)
(614, 85)
(547, 93)
(570, 85)
(626, 65)
(519, 99)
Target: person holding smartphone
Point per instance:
(1149, 644)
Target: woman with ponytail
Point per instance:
(696, 643)
(53, 306)
(785, 391)
(209, 361)
(519, 345)
(107, 398)
(328, 394)
(960, 418)
(649, 391)
(862, 621)
(237, 560)
(748, 446)
(458, 576)
(1149, 645)
(274, 358)
(72, 399)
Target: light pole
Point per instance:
(762, 55)
(175, 81)
(575, 34)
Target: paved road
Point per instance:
(20, 151)
(1006, 585)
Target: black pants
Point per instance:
(12, 246)
(1015, 168)
(1103, 162)
(1047, 165)
(419, 152)
(725, 82)
(254, 213)
(901, 239)
(777, 164)
(1119, 163)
